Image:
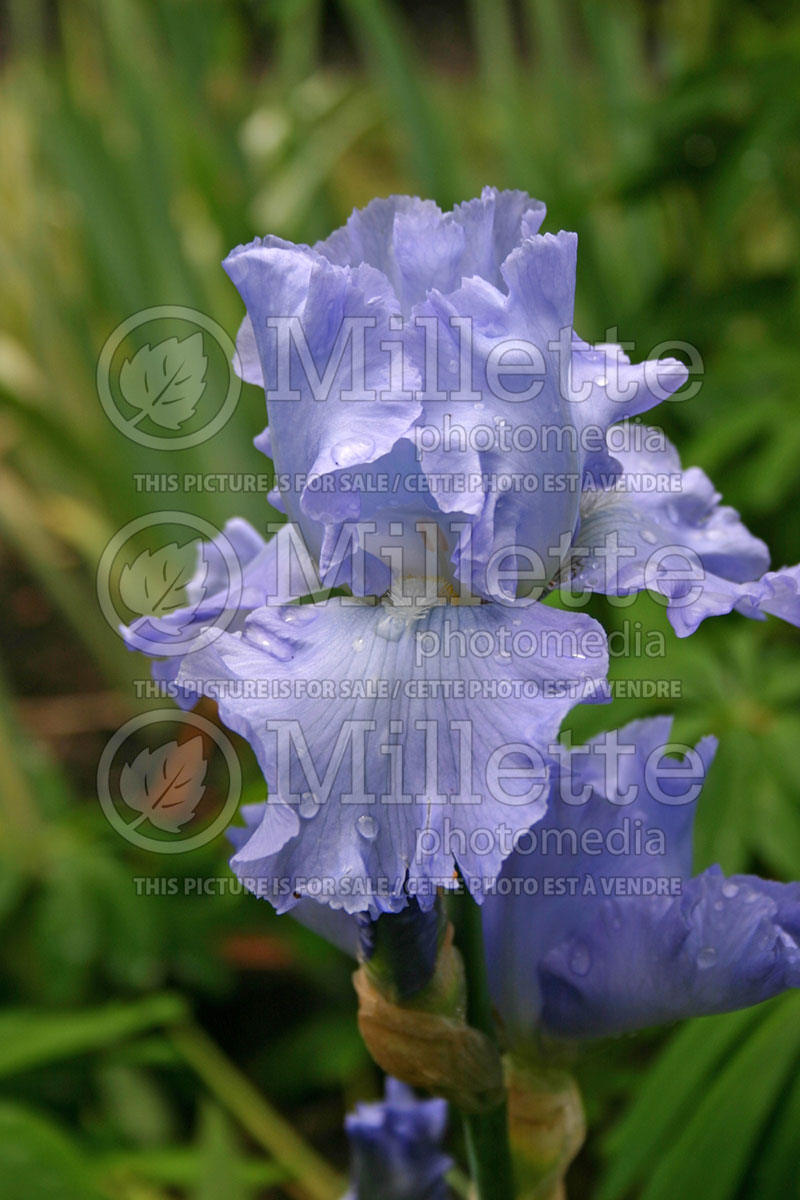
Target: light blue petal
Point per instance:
(419, 248)
(724, 944)
(273, 572)
(344, 672)
(319, 444)
(609, 818)
(517, 520)
(660, 527)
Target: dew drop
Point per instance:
(367, 826)
(673, 514)
(601, 381)
(479, 407)
(730, 889)
(297, 614)
(355, 450)
(308, 805)
(707, 957)
(649, 536)
(359, 644)
(391, 627)
(266, 639)
(580, 960)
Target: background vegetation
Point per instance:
(148, 1043)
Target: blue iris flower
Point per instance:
(439, 434)
(396, 1147)
(597, 925)
(637, 940)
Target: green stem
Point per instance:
(486, 1133)
(311, 1177)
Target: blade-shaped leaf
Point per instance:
(39, 1159)
(29, 1039)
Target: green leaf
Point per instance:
(30, 1039)
(666, 1094)
(218, 1155)
(697, 1139)
(711, 1155)
(38, 1161)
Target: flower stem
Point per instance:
(310, 1176)
(486, 1133)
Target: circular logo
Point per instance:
(158, 795)
(165, 377)
(176, 596)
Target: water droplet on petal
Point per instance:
(649, 536)
(355, 450)
(297, 614)
(308, 805)
(266, 639)
(673, 514)
(368, 827)
(391, 626)
(707, 957)
(580, 960)
(730, 889)
(601, 381)
(479, 407)
(359, 644)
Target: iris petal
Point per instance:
(661, 527)
(404, 744)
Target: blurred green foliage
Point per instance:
(141, 139)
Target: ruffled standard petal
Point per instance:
(662, 528)
(396, 1147)
(334, 401)
(397, 745)
(723, 944)
(505, 429)
(419, 248)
